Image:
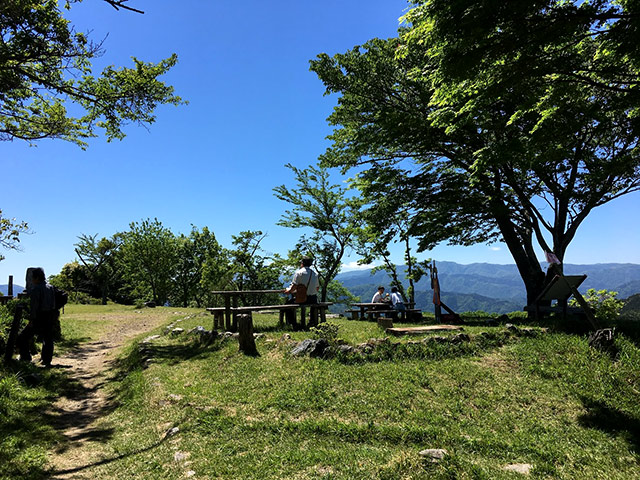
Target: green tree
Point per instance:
(45, 65)
(46, 74)
(254, 269)
(149, 259)
(100, 259)
(482, 158)
(194, 253)
(10, 231)
(328, 211)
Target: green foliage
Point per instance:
(149, 258)
(327, 331)
(46, 67)
(10, 231)
(604, 303)
(254, 269)
(199, 254)
(473, 119)
(329, 211)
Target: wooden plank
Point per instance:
(421, 330)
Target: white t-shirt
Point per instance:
(395, 298)
(378, 297)
(301, 277)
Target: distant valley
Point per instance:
(491, 287)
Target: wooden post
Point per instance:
(227, 312)
(247, 343)
(313, 316)
(583, 303)
(10, 287)
(303, 317)
(234, 315)
(13, 334)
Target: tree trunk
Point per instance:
(246, 342)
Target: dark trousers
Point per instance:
(43, 327)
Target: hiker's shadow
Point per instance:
(611, 420)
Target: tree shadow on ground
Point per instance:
(57, 474)
(610, 420)
(31, 418)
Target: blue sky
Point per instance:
(253, 107)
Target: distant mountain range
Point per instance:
(16, 289)
(491, 287)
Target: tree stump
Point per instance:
(385, 323)
(246, 342)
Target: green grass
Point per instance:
(551, 401)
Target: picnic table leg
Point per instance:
(323, 314)
(362, 313)
(313, 316)
(281, 318)
(227, 312)
(234, 316)
(303, 315)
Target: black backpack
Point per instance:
(61, 297)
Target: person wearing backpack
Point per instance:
(43, 317)
(304, 286)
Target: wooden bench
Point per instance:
(317, 310)
(560, 288)
(354, 313)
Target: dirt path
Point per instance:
(78, 412)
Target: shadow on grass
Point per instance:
(31, 423)
(58, 474)
(610, 420)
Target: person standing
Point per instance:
(42, 318)
(307, 278)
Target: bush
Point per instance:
(326, 331)
(606, 307)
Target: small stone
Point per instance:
(180, 456)
(151, 338)
(177, 331)
(344, 349)
(313, 348)
(171, 432)
(199, 330)
(523, 468)
(190, 473)
(434, 455)
(461, 337)
(258, 336)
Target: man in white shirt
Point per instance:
(378, 297)
(306, 277)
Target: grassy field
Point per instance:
(546, 400)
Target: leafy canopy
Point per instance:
(45, 65)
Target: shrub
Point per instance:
(327, 331)
(605, 305)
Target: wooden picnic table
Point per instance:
(367, 308)
(231, 301)
(231, 308)
(363, 309)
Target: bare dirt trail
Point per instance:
(77, 413)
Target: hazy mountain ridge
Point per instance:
(16, 289)
(491, 287)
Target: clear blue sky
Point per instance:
(254, 106)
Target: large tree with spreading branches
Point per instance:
(503, 122)
(48, 88)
